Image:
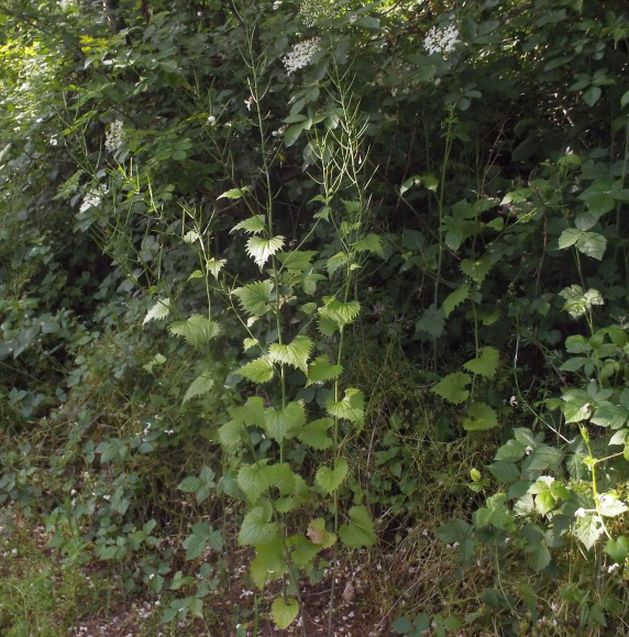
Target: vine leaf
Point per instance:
(284, 612)
(480, 416)
(268, 564)
(315, 434)
(351, 407)
(158, 312)
(253, 225)
(329, 480)
(255, 297)
(359, 531)
(453, 387)
(199, 386)
(486, 364)
(257, 528)
(284, 423)
(197, 330)
(455, 299)
(259, 370)
(295, 354)
(260, 249)
(321, 371)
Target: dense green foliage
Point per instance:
(310, 285)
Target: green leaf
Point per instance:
(201, 535)
(569, 238)
(259, 370)
(359, 531)
(477, 270)
(295, 354)
(480, 417)
(486, 364)
(329, 480)
(315, 434)
(579, 302)
(296, 260)
(338, 312)
(319, 535)
(268, 564)
(234, 193)
(197, 330)
(199, 386)
(214, 266)
(255, 297)
(189, 484)
(537, 555)
(370, 243)
(592, 95)
(593, 245)
(257, 528)
(453, 387)
(253, 225)
(252, 480)
(261, 249)
(351, 407)
(284, 612)
(607, 414)
(336, 261)
(158, 312)
(284, 423)
(610, 505)
(454, 299)
(588, 528)
(432, 321)
(321, 371)
(618, 549)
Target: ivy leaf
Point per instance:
(455, 299)
(351, 407)
(259, 370)
(453, 387)
(197, 330)
(295, 354)
(260, 249)
(486, 364)
(254, 297)
(315, 434)
(257, 528)
(360, 529)
(329, 480)
(284, 423)
(199, 386)
(321, 371)
(158, 312)
(480, 417)
(253, 225)
(284, 612)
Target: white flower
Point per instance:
(441, 40)
(301, 55)
(113, 138)
(92, 198)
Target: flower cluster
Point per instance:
(92, 198)
(301, 55)
(311, 11)
(441, 40)
(113, 139)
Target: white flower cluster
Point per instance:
(93, 198)
(311, 11)
(301, 55)
(113, 139)
(441, 40)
